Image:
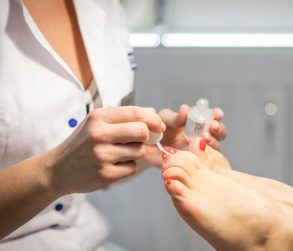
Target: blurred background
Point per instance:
(238, 55)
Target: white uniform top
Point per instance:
(42, 101)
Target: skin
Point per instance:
(217, 162)
(57, 21)
(175, 123)
(107, 147)
(245, 218)
(101, 151)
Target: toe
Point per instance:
(176, 189)
(185, 160)
(180, 162)
(177, 173)
(216, 160)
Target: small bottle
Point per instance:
(199, 118)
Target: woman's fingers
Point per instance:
(218, 114)
(112, 173)
(125, 114)
(129, 132)
(213, 142)
(218, 130)
(173, 119)
(120, 152)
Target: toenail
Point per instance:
(166, 159)
(202, 144)
(170, 149)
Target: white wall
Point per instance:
(230, 15)
(213, 15)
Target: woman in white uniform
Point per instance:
(58, 61)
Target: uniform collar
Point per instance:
(91, 19)
(45, 44)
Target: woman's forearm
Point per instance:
(25, 190)
(28, 187)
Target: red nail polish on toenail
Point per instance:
(166, 159)
(165, 155)
(168, 181)
(170, 149)
(202, 144)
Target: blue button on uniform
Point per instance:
(134, 66)
(72, 122)
(59, 207)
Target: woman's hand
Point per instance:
(175, 122)
(103, 149)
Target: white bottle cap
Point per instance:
(154, 138)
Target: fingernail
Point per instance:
(170, 149)
(207, 137)
(168, 181)
(163, 126)
(221, 113)
(202, 144)
(216, 125)
(163, 170)
(218, 113)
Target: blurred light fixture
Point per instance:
(145, 40)
(271, 109)
(228, 40)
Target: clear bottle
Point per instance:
(199, 118)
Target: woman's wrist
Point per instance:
(48, 174)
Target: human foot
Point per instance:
(275, 189)
(216, 161)
(213, 159)
(228, 215)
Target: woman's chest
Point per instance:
(57, 21)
